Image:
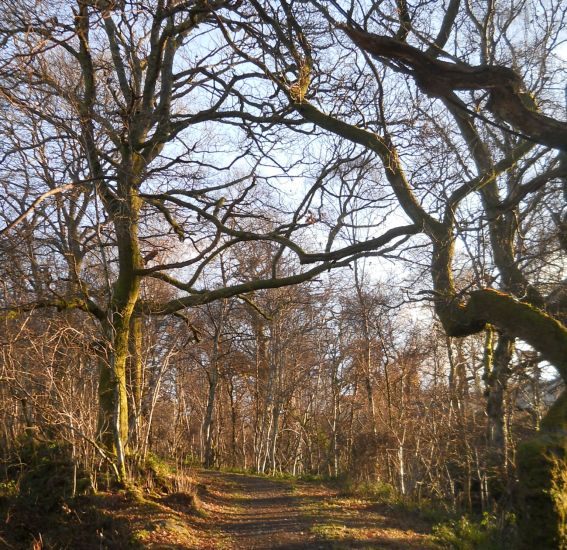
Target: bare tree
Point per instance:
(128, 93)
(489, 124)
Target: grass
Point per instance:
(331, 518)
(377, 490)
(331, 531)
(466, 533)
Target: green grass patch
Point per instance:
(466, 533)
(330, 531)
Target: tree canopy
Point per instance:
(161, 156)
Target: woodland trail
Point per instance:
(215, 511)
(259, 513)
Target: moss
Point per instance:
(542, 471)
(558, 494)
(47, 477)
(162, 474)
(9, 315)
(556, 417)
(546, 334)
(529, 101)
(140, 536)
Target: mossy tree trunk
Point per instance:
(113, 404)
(543, 491)
(541, 461)
(135, 381)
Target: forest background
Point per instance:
(293, 236)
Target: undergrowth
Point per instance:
(487, 533)
(46, 497)
(47, 501)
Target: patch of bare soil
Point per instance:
(258, 513)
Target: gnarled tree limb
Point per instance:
(509, 100)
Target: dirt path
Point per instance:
(258, 513)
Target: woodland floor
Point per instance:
(230, 511)
(249, 512)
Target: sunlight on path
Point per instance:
(258, 513)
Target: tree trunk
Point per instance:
(542, 471)
(113, 404)
(135, 381)
(273, 436)
(233, 421)
(498, 371)
(112, 414)
(213, 376)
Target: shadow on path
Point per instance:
(257, 513)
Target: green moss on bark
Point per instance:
(542, 471)
(107, 390)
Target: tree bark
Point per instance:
(497, 374)
(135, 380)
